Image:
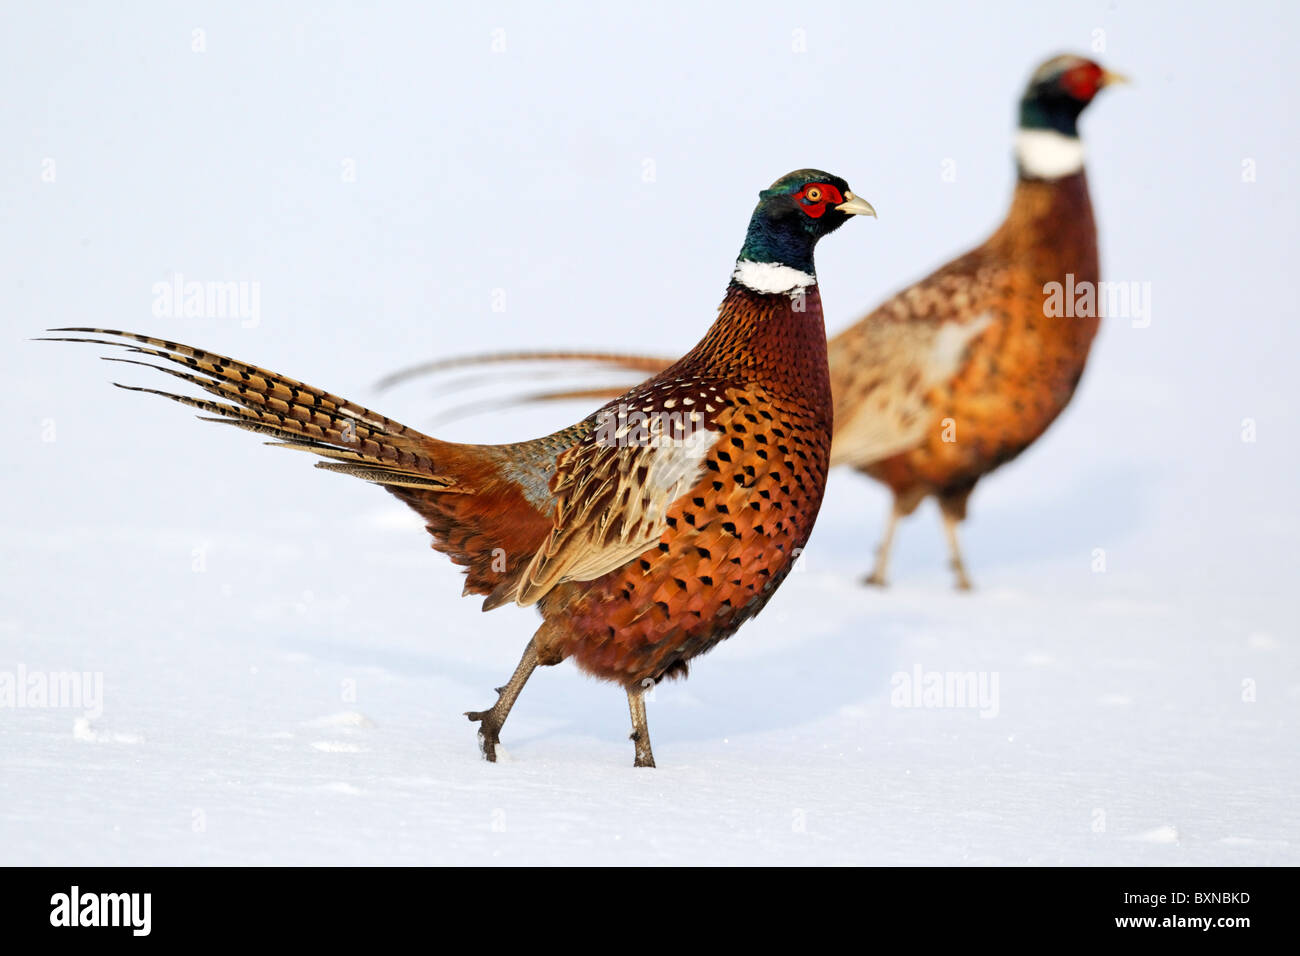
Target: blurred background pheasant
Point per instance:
(962, 371)
(647, 532)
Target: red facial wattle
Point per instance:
(1083, 81)
(815, 197)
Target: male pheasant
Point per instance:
(647, 532)
(962, 371)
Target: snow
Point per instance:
(247, 721)
(285, 662)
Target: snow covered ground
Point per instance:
(284, 662)
(300, 701)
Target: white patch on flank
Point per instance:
(676, 469)
(1047, 154)
(950, 345)
(770, 277)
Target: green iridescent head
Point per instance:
(796, 211)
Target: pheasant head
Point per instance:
(1048, 146)
(791, 215)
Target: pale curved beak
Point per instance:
(1113, 79)
(856, 206)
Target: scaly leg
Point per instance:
(640, 729)
(492, 720)
(877, 575)
(953, 508)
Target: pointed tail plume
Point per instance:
(358, 441)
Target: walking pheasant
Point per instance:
(961, 372)
(644, 534)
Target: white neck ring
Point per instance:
(1047, 154)
(771, 278)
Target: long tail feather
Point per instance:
(650, 364)
(302, 417)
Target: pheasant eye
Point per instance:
(813, 194)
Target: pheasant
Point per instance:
(961, 372)
(647, 532)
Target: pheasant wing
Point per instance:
(884, 369)
(613, 492)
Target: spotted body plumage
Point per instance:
(731, 538)
(961, 372)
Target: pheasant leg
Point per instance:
(491, 721)
(640, 729)
(877, 575)
(958, 566)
